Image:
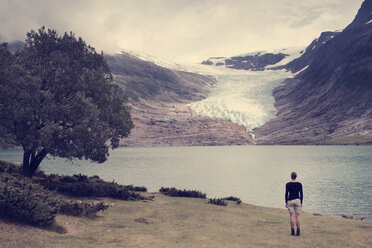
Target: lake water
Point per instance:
(336, 179)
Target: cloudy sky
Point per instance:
(181, 30)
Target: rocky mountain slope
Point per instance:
(329, 97)
(332, 96)
(158, 97)
(256, 61)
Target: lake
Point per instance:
(336, 179)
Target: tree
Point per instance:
(57, 97)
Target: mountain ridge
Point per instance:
(332, 98)
(330, 95)
(158, 98)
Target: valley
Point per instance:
(284, 96)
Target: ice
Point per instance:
(167, 63)
(293, 53)
(369, 22)
(242, 97)
(252, 54)
(217, 60)
(302, 70)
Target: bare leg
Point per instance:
(298, 220)
(292, 219)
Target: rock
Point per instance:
(331, 98)
(255, 61)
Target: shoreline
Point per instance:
(169, 222)
(159, 220)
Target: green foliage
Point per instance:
(9, 167)
(37, 201)
(80, 208)
(22, 200)
(83, 186)
(217, 201)
(182, 193)
(233, 198)
(57, 97)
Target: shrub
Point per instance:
(233, 198)
(136, 188)
(27, 202)
(9, 167)
(31, 201)
(217, 201)
(16, 169)
(79, 208)
(83, 186)
(182, 193)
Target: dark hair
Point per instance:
(293, 175)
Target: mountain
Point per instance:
(331, 96)
(158, 98)
(143, 79)
(310, 53)
(256, 61)
(328, 97)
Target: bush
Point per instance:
(182, 193)
(16, 169)
(10, 167)
(233, 198)
(79, 208)
(27, 202)
(83, 186)
(217, 201)
(32, 201)
(79, 185)
(136, 188)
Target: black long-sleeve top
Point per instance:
(293, 190)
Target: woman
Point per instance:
(293, 201)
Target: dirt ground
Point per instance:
(185, 222)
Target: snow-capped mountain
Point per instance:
(158, 98)
(256, 61)
(243, 97)
(332, 98)
(284, 96)
(319, 93)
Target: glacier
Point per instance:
(242, 97)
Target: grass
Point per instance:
(348, 140)
(189, 222)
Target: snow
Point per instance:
(301, 70)
(167, 63)
(242, 97)
(293, 53)
(256, 53)
(217, 60)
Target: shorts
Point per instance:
(294, 206)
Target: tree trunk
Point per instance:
(31, 161)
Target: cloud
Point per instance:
(183, 30)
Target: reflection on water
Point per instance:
(336, 179)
